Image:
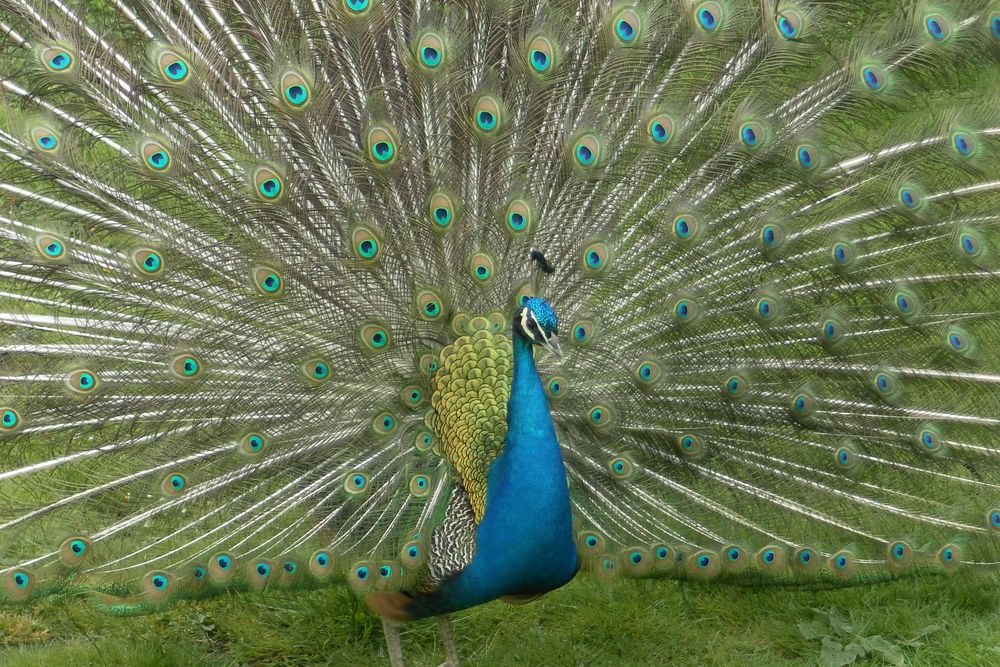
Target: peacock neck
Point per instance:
(529, 424)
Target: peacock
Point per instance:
(453, 300)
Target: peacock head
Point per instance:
(538, 324)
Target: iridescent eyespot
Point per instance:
(155, 156)
(173, 484)
(583, 332)
(949, 556)
(252, 444)
(587, 151)
(316, 370)
(375, 338)
(771, 237)
(295, 90)
(487, 114)
(691, 446)
(356, 482)
(592, 541)
(929, 441)
(82, 381)
(542, 55)
(766, 309)
(10, 420)
(222, 566)
(18, 584)
(806, 559)
(789, 23)
(382, 145)
(621, 467)
(556, 387)
(267, 184)
(994, 24)
(899, 554)
(357, 6)
(963, 144)
(806, 156)
(146, 262)
(844, 255)
(873, 77)
(57, 59)
(937, 27)
(429, 307)
(771, 558)
(660, 129)
(268, 281)
(172, 66)
(481, 268)
(599, 416)
(626, 27)
(993, 519)
(45, 139)
(685, 311)
(420, 485)
(412, 554)
(412, 396)
(969, 245)
(431, 51)
(752, 135)
(685, 227)
(186, 366)
(321, 564)
(384, 423)
(156, 586)
(518, 217)
(50, 247)
(424, 441)
(74, 551)
(959, 342)
(441, 211)
(595, 258)
(709, 16)
(647, 372)
(735, 386)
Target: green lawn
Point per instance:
(927, 621)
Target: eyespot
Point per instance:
(734, 559)
(18, 584)
(771, 237)
(844, 255)
(51, 248)
(587, 151)
(258, 574)
(595, 258)
(910, 198)
(412, 396)
(708, 16)
(10, 419)
(431, 51)
(82, 381)
(429, 308)
(481, 268)
(382, 145)
(970, 245)
(803, 405)
(57, 59)
(805, 559)
(74, 551)
(789, 24)
(361, 576)
(583, 332)
(831, 331)
(600, 416)
(806, 156)
(937, 26)
(846, 457)
(321, 564)
(621, 467)
(268, 281)
(905, 303)
(691, 446)
(252, 444)
(173, 484)
(752, 135)
(441, 211)
(899, 554)
(172, 66)
(660, 129)
(767, 309)
(556, 387)
(647, 373)
(365, 244)
(949, 556)
(296, 92)
(317, 370)
(156, 586)
(487, 115)
(384, 423)
(685, 310)
(735, 386)
(929, 440)
(685, 227)
(356, 482)
(994, 24)
(963, 144)
(959, 342)
(993, 519)
(186, 366)
(771, 558)
(637, 561)
(222, 566)
(412, 555)
(45, 139)
(424, 441)
(268, 185)
(873, 77)
(518, 217)
(704, 564)
(542, 55)
(428, 363)
(420, 485)
(591, 542)
(147, 262)
(627, 27)
(375, 338)
(357, 7)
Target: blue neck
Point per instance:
(524, 544)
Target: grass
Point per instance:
(926, 621)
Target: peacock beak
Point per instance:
(551, 343)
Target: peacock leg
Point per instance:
(444, 625)
(392, 642)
